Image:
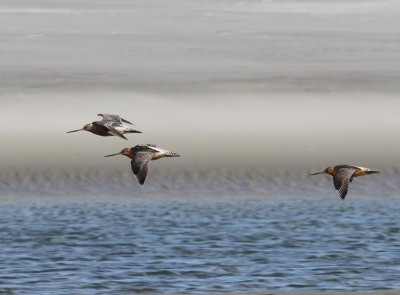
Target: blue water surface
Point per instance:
(199, 244)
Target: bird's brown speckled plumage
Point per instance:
(141, 155)
(343, 175)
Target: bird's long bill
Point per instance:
(322, 172)
(75, 130)
(113, 154)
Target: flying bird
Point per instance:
(343, 175)
(110, 125)
(141, 155)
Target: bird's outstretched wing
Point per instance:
(114, 131)
(140, 165)
(126, 121)
(115, 118)
(141, 148)
(110, 122)
(141, 176)
(341, 180)
(110, 117)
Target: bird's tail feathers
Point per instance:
(131, 130)
(372, 171)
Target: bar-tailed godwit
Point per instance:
(110, 125)
(343, 175)
(141, 155)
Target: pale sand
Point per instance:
(283, 131)
(220, 82)
(190, 46)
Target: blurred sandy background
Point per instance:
(224, 82)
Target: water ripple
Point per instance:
(178, 245)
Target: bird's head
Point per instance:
(87, 127)
(126, 152)
(330, 170)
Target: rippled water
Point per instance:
(199, 243)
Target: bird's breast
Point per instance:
(99, 131)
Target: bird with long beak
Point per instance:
(141, 155)
(110, 125)
(343, 175)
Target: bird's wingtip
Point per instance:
(373, 171)
(341, 195)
